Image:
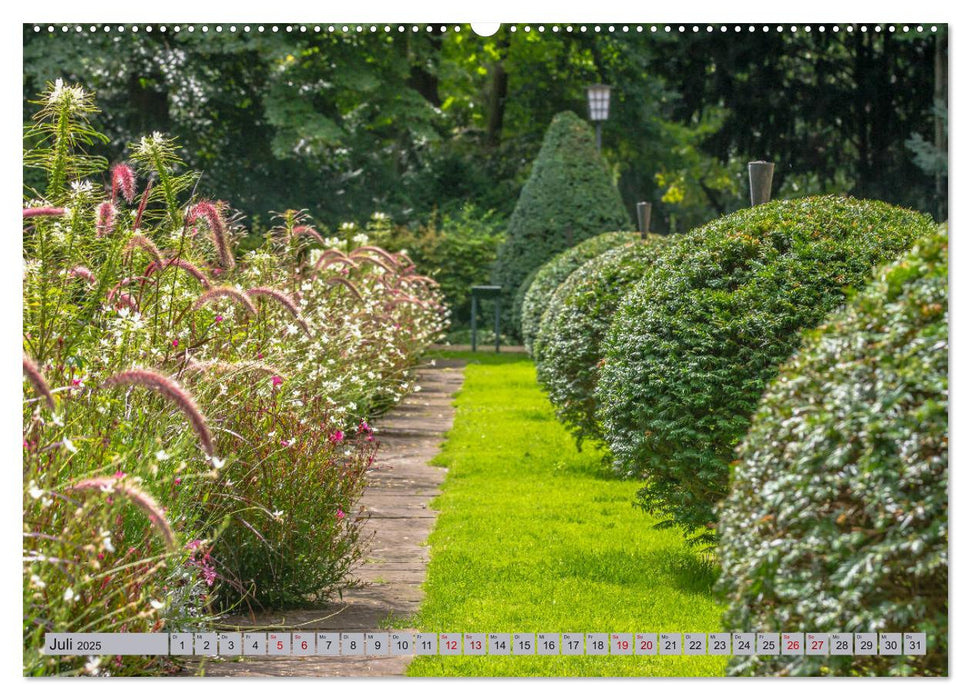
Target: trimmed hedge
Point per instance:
(535, 293)
(569, 197)
(837, 517)
(692, 348)
(568, 345)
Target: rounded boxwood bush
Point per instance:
(837, 516)
(569, 197)
(567, 346)
(535, 293)
(694, 345)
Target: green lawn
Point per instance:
(534, 537)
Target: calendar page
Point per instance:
(514, 349)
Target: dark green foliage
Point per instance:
(568, 346)
(694, 345)
(456, 250)
(569, 197)
(838, 512)
(535, 292)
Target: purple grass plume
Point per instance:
(171, 390)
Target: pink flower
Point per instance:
(259, 356)
(285, 443)
(277, 379)
(219, 318)
(193, 545)
(178, 480)
(208, 572)
(340, 514)
(175, 342)
(119, 475)
(336, 437)
(76, 382)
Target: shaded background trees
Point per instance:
(415, 123)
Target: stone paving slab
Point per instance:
(390, 577)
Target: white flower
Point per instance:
(106, 541)
(70, 595)
(36, 581)
(218, 463)
(34, 492)
(69, 446)
(162, 455)
(91, 668)
(156, 604)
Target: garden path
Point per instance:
(400, 489)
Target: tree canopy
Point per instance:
(414, 122)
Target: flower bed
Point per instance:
(195, 424)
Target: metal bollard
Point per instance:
(760, 181)
(644, 218)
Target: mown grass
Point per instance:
(533, 536)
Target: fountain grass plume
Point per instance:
(366, 256)
(192, 270)
(37, 380)
(351, 287)
(208, 211)
(146, 244)
(128, 280)
(124, 299)
(171, 390)
(80, 271)
(308, 231)
(380, 252)
(104, 219)
(142, 205)
(43, 211)
(137, 497)
(123, 180)
(283, 300)
(232, 293)
(421, 278)
(327, 261)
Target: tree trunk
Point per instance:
(423, 75)
(498, 90)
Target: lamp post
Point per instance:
(598, 103)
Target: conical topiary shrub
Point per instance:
(569, 197)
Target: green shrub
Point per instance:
(837, 516)
(568, 346)
(693, 346)
(535, 293)
(569, 197)
(458, 250)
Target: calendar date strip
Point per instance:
(320, 643)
